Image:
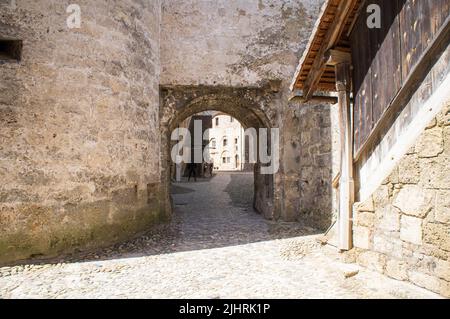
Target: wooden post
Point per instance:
(346, 185)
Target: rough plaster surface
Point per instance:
(79, 139)
(233, 43)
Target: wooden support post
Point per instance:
(346, 185)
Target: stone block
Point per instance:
(365, 219)
(409, 170)
(444, 288)
(425, 281)
(388, 218)
(372, 260)
(443, 118)
(387, 245)
(366, 206)
(434, 251)
(411, 229)
(442, 269)
(361, 237)
(397, 269)
(442, 207)
(381, 197)
(414, 200)
(430, 143)
(432, 173)
(437, 235)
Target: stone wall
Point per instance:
(79, 130)
(256, 43)
(403, 229)
(307, 164)
(233, 42)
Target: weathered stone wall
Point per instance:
(251, 106)
(307, 164)
(248, 43)
(79, 130)
(403, 229)
(233, 42)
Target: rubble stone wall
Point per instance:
(79, 129)
(403, 229)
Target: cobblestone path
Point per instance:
(216, 247)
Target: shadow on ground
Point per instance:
(208, 214)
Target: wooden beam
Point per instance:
(297, 96)
(346, 183)
(334, 57)
(336, 181)
(334, 32)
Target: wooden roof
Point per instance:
(331, 31)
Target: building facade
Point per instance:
(227, 143)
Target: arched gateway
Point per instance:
(248, 105)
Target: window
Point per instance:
(231, 119)
(235, 141)
(10, 50)
(217, 121)
(213, 144)
(228, 160)
(224, 160)
(225, 142)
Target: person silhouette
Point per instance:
(192, 169)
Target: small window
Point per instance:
(213, 144)
(225, 142)
(231, 119)
(228, 160)
(236, 141)
(217, 121)
(10, 50)
(224, 160)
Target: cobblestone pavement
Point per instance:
(216, 247)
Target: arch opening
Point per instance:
(176, 108)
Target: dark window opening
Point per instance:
(10, 50)
(217, 121)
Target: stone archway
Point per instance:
(250, 106)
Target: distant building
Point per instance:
(227, 143)
(189, 145)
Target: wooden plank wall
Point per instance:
(362, 80)
(383, 58)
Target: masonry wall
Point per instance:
(233, 42)
(403, 229)
(79, 135)
(248, 43)
(308, 164)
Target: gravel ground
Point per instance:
(216, 247)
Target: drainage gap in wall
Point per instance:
(10, 50)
